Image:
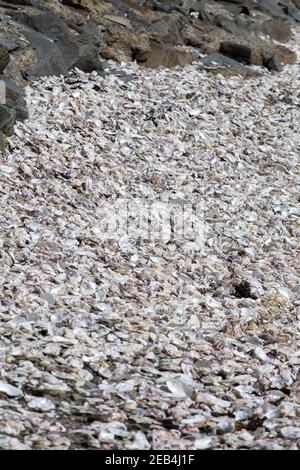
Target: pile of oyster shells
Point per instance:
(170, 339)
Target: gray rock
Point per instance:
(94, 31)
(23, 18)
(10, 45)
(272, 62)
(80, 51)
(2, 142)
(284, 10)
(237, 52)
(167, 27)
(42, 45)
(51, 26)
(15, 98)
(69, 50)
(218, 60)
(52, 64)
(125, 77)
(4, 57)
(60, 56)
(88, 59)
(50, 60)
(7, 119)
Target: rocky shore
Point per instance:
(185, 336)
(127, 342)
(44, 38)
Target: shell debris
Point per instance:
(136, 337)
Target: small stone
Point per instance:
(272, 62)
(260, 354)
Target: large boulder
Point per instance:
(51, 26)
(80, 51)
(49, 59)
(58, 48)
